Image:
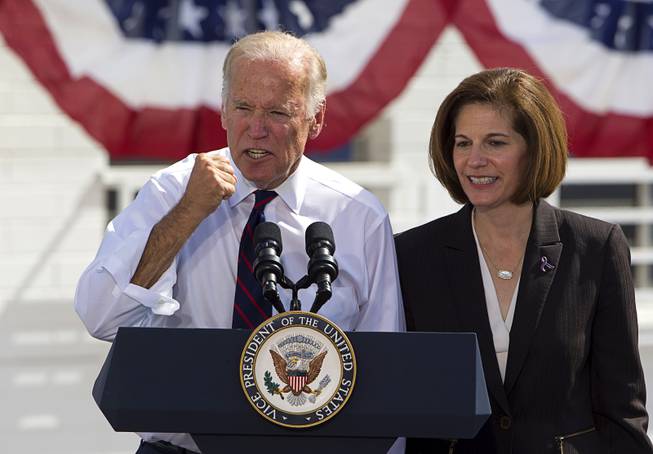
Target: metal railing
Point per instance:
(412, 197)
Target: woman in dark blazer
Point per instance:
(548, 292)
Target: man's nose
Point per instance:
(257, 126)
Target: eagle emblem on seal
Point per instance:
(297, 362)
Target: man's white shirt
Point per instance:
(197, 290)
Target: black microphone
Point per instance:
(322, 267)
(267, 265)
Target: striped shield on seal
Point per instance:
(297, 382)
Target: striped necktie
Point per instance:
(250, 308)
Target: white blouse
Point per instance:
(500, 328)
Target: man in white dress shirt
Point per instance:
(170, 258)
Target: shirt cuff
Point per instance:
(159, 304)
(159, 297)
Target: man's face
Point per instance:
(266, 120)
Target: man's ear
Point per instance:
(318, 122)
(223, 120)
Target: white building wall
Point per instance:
(51, 222)
(50, 202)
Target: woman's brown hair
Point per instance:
(535, 116)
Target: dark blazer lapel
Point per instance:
(463, 268)
(534, 287)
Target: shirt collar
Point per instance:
(291, 191)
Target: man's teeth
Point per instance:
(256, 154)
(482, 180)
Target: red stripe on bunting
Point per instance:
(386, 74)
(170, 134)
(590, 134)
(125, 133)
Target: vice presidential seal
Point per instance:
(298, 369)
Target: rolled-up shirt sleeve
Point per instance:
(105, 299)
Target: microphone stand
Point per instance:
(320, 299)
(295, 304)
(273, 297)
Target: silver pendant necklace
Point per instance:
(503, 274)
(506, 275)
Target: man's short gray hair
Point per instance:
(281, 47)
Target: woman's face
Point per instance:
(490, 157)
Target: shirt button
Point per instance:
(505, 422)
